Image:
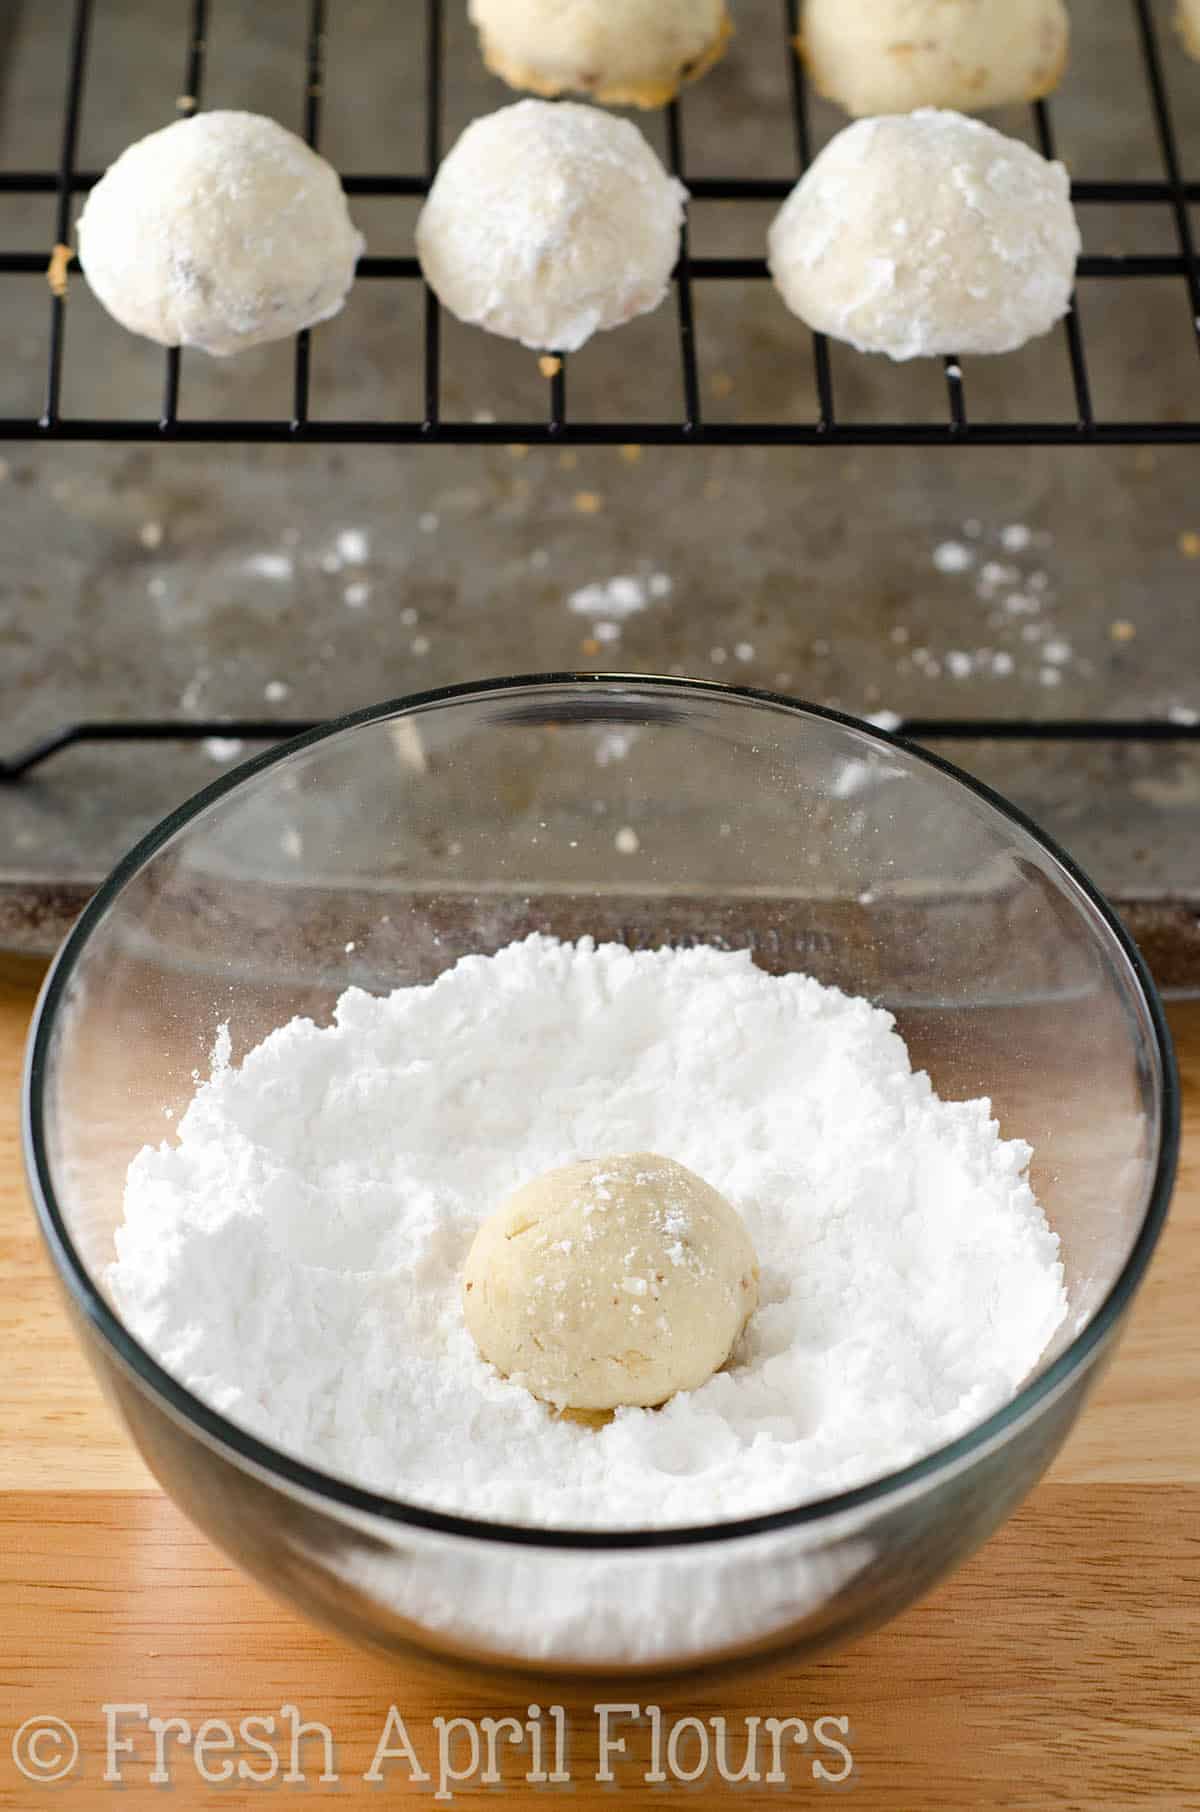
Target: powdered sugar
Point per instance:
(295, 1258)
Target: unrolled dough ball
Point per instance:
(927, 233)
(222, 231)
(547, 222)
(1188, 20)
(617, 1281)
(629, 53)
(889, 56)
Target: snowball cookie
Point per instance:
(889, 56)
(221, 231)
(926, 233)
(547, 222)
(617, 1281)
(629, 53)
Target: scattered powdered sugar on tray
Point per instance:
(223, 748)
(295, 1257)
(953, 557)
(623, 596)
(1007, 602)
(279, 567)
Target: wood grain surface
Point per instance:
(1060, 1668)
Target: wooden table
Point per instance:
(1060, 1668)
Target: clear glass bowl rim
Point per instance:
(215, 1429)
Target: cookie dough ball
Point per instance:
(548, 222)
(1188, 21)
(617, 1281)
(222, 231)
(890, 56)
(927, 233)
(628, 53)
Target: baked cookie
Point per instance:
(626, 53)
(927, 233)
(548, 222)
(222, 231)
(892, 56)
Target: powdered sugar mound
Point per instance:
(295, 1258)
(927, 233)
(548, 222)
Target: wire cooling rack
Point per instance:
(913, 729)
(557, 427)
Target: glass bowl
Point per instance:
(380, 849)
